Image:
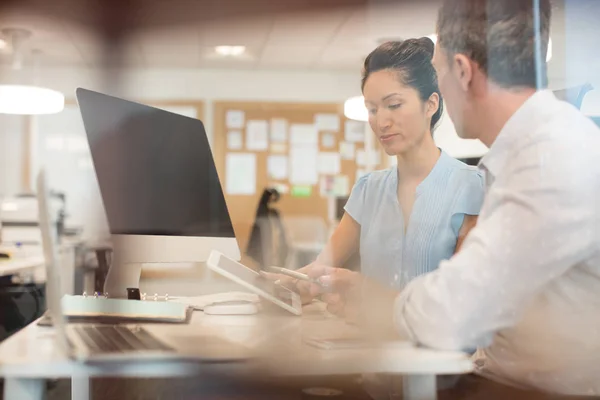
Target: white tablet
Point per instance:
(252, 280)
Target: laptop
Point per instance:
(91, 342)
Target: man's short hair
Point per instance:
(500, 36)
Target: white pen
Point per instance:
(295, 274)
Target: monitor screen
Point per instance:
(155, 169)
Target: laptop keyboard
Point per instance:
(119, 339)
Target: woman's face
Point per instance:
(397, 114)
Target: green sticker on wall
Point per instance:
(301, 191)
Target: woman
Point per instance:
(406, 219)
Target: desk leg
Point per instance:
(80, 388)
(419, 387)
(24, 389)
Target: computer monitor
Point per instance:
(159, 186)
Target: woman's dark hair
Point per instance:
(411, 58)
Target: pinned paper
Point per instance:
(334, 186)
(279, 130)
(280, 187)
(234, 119)
(301, 191)
(355, 131)
(328, 140)
(303, 165)
(304, 134)
(327, 122)
(257, 135)
(360, 173)
(329, 163)
(240, 173)
(347, 150)
(234, 140)
(364, 158)
(277, 167)
(280, 148)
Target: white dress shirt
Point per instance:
(525, 287)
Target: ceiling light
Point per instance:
(354, 108)
(433, 38)
(25, 99)
(30, 100)
(230, 50)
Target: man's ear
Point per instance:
(463, 70)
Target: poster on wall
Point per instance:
(282, 188)
(360, 173)
(240, 174)
(334, 186)
(328, 140)
(234, 119)
(279, 130)
(327, 122)
(329, 163)
(280, 148)
(347, 150)
(355, 131)
(277, 167)
(234, 140)
(304, 135)
(257, 135)
(364, 158)
(303, 165)
(301, 191)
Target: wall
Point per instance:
(11, 152)
(208, 85)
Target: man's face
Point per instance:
(455, 97)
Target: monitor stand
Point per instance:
(120, 277)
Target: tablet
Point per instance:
(252, 280)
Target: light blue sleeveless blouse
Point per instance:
(388, 254)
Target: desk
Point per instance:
(29, 357)
(20, 265)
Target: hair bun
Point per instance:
(427, 45)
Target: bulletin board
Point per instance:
(298, 200)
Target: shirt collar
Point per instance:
(518, 125)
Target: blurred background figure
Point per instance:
(268, 244)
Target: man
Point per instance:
(525, 287)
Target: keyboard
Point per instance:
(119, 339)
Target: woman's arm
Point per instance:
(468, 223)
(343, 243)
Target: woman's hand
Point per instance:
(307, 290)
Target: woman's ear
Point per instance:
(433, 105)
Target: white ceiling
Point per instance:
(338, 39)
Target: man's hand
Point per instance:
(342, 289)
(357, 298)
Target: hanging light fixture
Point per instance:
(354, 108)
(24, 99)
